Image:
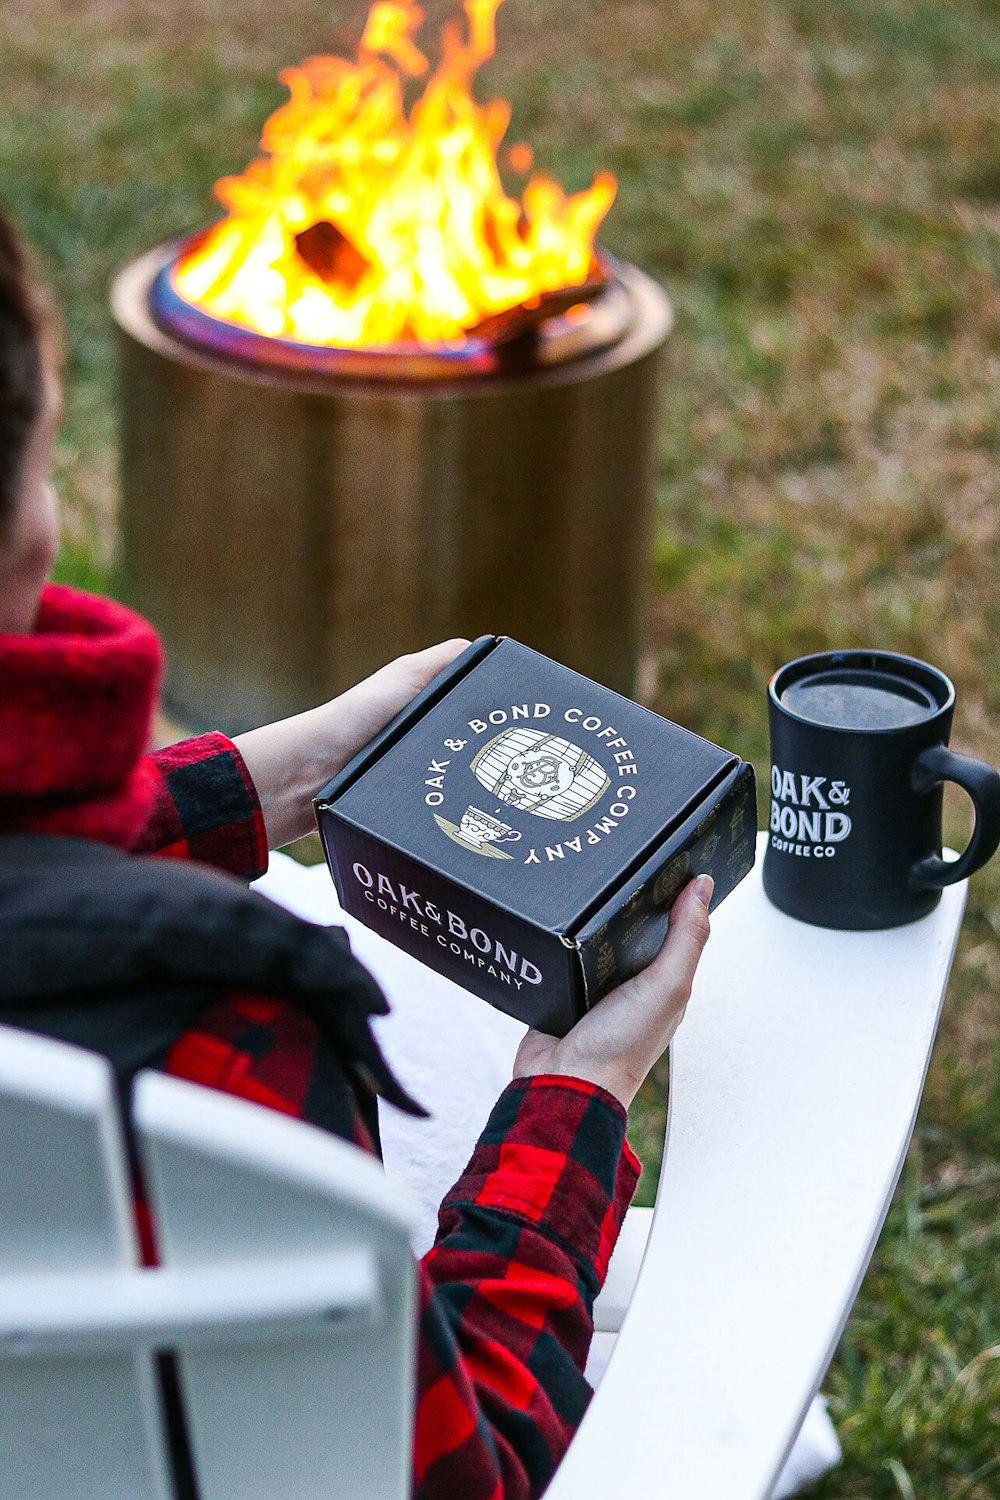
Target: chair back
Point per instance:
(286, 1289)
(73, 1421)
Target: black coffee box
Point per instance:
(524, 831)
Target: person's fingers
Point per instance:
(674, 966)
(363, 709)
(432, 658)
(421, 666)
(617, 1042)
(448, 649)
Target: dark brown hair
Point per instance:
(21, 370)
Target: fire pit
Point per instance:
(383, 401)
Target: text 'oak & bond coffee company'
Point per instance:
(524, 831)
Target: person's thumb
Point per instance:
(427, 663)
(687, 934)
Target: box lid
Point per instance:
(529, 784)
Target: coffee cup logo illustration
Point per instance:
(479, 828)
(480, 831)
(540, 773)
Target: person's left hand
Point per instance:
(617, 1042)
(292, 760)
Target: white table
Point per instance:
(795, 1081)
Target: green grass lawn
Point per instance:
(818, 186)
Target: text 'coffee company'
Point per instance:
(486, 952)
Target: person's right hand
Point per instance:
(617, 1043)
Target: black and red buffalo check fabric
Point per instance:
(205, 807)
(524, 1236)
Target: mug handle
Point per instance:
(936, 764)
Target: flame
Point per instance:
(362, 224)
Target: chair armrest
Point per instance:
(612, 1302)
(795, 1081)
(60, 1312)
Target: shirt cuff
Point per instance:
(207, 808)
(554, 1154)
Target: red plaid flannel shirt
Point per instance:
(524, 1237)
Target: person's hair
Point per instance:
(21, 368)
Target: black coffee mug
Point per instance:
(859, 752)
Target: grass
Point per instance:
(818, 186)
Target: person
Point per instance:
(126, 926)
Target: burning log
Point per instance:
(328, 252)
(522, 323)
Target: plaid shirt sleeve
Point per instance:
(206, 808)
(507, 1291)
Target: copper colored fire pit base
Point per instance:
(288, 534)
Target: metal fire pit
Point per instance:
(291, 525)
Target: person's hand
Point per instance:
(292, 760)
(617, 1043)
(346, 724)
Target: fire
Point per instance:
(365, 224)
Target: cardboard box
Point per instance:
(524, 831)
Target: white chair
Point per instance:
(287, 1283)
(287, 1288)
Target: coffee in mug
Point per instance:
(859, 755)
